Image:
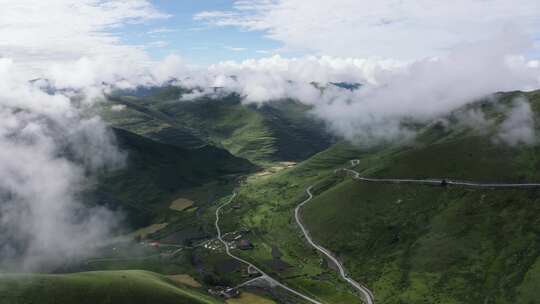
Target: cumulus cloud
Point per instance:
(39, 33)
(409, 29)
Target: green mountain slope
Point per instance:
(155, 173)
(410, 243)
(102, 287)
(136, 115)
(277, 131)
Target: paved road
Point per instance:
(364, 291)
(439, 182)
(264, 275)
(367, 295)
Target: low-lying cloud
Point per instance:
(48, 150)
(391, 92)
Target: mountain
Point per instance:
(406, 242)
(277, 131)
(99, 287)
(155, 174)
(412, 243)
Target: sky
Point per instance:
(205, 32)
(198, 41)
(210, 31)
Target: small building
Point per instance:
(244, 244)
(224, 292)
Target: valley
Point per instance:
(384, 215)
(269, 152)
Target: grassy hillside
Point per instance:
(101, 287)
(409, 243)
(282, 130)
(156, 173)
(137, 116)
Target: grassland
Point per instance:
(181, 204)
(185, 279)
(409, 244)
(278, 131)
(146, 231)
(250, 298)
(157, 173)
(103, 287)
(266, 210)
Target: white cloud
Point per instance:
(118, 108)
(235, 49)
(392, 91)
(49, 145)
(172, 66)
(407, 29)
(37, 33)
(47, 149)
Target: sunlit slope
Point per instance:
(137, 116)
(417, 244)
(410, 243)
(276, 131)
(102, 287)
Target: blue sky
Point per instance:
(236, 30)
(305, 27)
(196, 41)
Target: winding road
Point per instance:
(364, 291)
(367, 295)
(439, 182)
(264, 275)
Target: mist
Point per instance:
(519, 125)
(49, 149)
